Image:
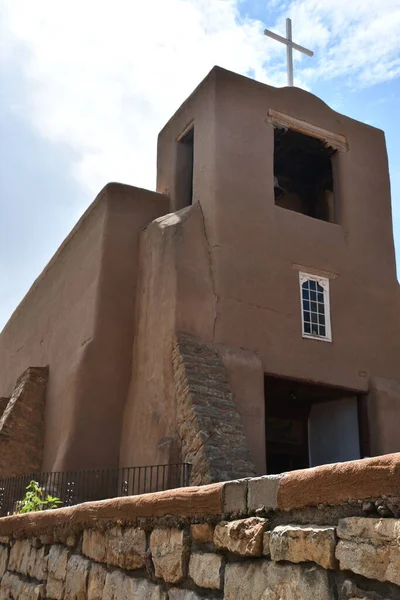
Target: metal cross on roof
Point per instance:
(290, 45)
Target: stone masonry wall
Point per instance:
(209, 425)
(22, 425)
(230, 541)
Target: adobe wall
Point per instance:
(180, 404)
(256, 248)
(324, 534)
(78, 318)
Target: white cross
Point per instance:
(289, 48)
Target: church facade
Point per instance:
(244, 318)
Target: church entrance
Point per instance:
(309, 425)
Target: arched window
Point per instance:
(315, 307)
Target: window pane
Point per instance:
(322, 331)
(313, 296)
(306, 294)
(307, 328)
(321, 319)
(313, 284)
(314, 318)
(306, 316)
(306, 305)
(320, 297)
(321, 308)
(314, 306)
(319, 288)
(314, 329)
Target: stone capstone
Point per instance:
(266, 580)
(205, 570)
(263, 492)
(370, 547)
(234, 497)
(303, 543)
(125, 548)
(244, 536)
(169, 553)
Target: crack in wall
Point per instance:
(213, 284)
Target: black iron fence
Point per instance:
(74, 487)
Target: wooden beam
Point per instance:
(335, 140)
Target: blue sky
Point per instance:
(86, 86)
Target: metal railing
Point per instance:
(74, 487)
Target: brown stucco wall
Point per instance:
(78, 318)
(255, 248)
(174, 284)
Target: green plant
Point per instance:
(35, 499)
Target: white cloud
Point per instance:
(105, 76)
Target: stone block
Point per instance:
(266, 580)
(243, 537)
(13, 586)
(304, 543)
(55, 588)
(169, 553)
(77, 578)
(351, 591)
(266, 542)
(371, 561)
(375, 531)
(19, 556)
(94, 545)
(205, 570)
(119, 586)
(96, 582)
(118, 547)
(370, 547)
(57, 562)
(4, 554)
(37, 564)
(263, 492)
(175, 594)
(114, 586)
(234, 497)
(202, 533)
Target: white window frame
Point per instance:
(324, 283)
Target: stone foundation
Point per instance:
(209, 425)
(229, 541)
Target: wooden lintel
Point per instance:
(335, 140)
(188, 127)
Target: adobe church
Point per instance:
(245, 317)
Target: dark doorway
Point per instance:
(308, 424)
(184, 170)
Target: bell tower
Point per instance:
(295, 200)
